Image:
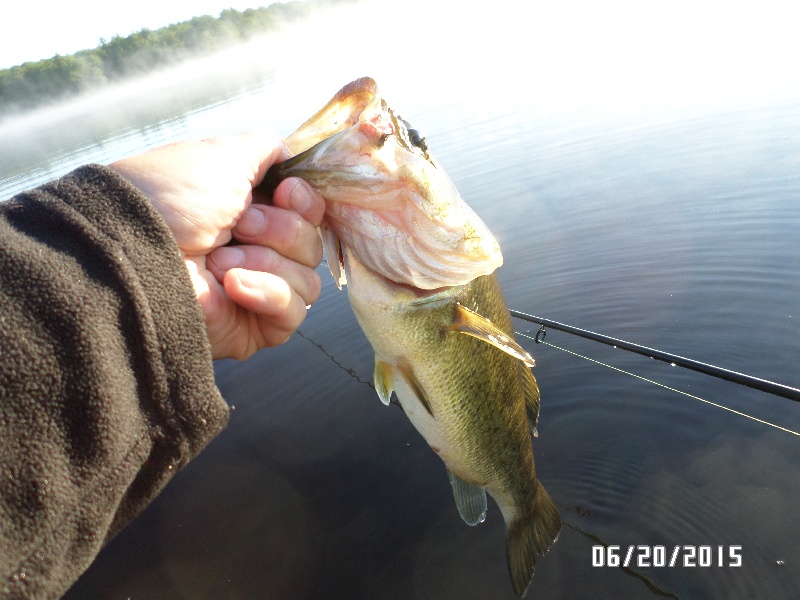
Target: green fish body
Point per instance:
(475, 402)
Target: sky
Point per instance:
(31, 30)
(641, 51)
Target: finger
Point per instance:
(297, 195)
(283, 230)
(302, 279)
(277, 308)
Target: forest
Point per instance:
(34, 84)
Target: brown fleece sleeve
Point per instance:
(106, 380)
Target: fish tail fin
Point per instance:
(531, 534)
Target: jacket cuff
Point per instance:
(107, 377)
(185, 396)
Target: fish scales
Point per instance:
(475, 390)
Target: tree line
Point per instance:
(33, 84)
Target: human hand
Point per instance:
(253, 294)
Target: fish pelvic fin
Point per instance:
(470, 499)
(411, 379)
(471, 323)
(532, 398)
(382, 377)
(531, 534)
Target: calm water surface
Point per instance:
(673, 226)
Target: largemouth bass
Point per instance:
(419, 264)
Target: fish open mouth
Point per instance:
(387, 200)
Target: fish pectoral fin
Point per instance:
(333, 254)
(532, 398)
(470, 499)
(411, 379)
(471, 323)
(382, 376)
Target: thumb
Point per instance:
(276, 309)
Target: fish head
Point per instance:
(387, 199)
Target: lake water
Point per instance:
(657, 205)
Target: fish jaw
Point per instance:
(390, 201)
(341, 111)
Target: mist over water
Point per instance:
(641, 170)
(576, 61)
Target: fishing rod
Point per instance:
(770, 387)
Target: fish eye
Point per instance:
(413, 136)
(416, 139)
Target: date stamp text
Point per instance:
(644, 556)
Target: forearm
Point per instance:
(106, 383)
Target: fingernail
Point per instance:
(250, 279)
(228, 257)
(251, 222)
(300, 198)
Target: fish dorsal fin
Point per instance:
(382, 376)
(411, 379)
(333, 254)
(531, 389)
(470, 499)
(471, 323)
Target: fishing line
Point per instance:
(672, 389)
(349, 370)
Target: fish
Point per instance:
(419, 267)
